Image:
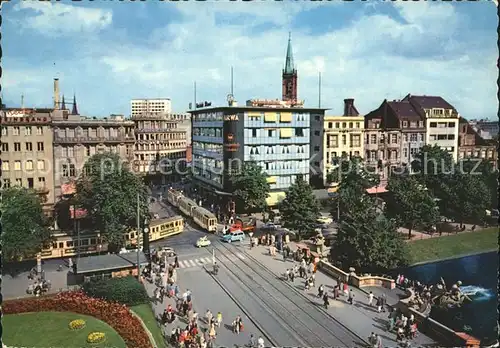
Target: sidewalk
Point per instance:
(358, 317)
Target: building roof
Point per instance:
(404, 110)
(478, 139)
(252, 108)
(289, 63)
(428, 102)
(109, 262)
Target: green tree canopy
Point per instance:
(108, 191)
(368, 241)
(24, 226)
(251, 187)
(487, 172)
(300, 210)
(410, 203)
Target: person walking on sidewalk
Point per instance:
(370, 299)
(350, 298)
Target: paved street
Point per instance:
(359, 317)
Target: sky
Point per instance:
(108, 53)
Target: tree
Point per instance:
(368, 241)
(108, 191)
(487, 172)
(354, 179)
(25, 227)
(300, 210)
(410, 203)
(251, 187)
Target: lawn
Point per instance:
(453, 246)
(145, 312)
(51, 329)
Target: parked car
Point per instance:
(234, 237)
(325, 220)
(269, 226)
(166, 251)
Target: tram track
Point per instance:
(302, 316)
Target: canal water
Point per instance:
(479, 276)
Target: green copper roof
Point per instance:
(289, 65)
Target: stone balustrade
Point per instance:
(356, 280)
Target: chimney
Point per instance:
(56, 93)
(348, 105)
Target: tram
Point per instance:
(205, 219)
(187, 205)
(158, 229)
(65, 245)
(173, 197)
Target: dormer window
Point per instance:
(405, 124)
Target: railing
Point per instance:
(160, 130)
(88, 139)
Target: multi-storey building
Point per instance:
(441, 121)
(77, 137)
(342, 137)
(485, 128)
(472, 145)
(225, 137)
(394, 133)
(161, 143)
(150, 106)
(27, 152)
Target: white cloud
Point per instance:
(57, 19)
(373, 58)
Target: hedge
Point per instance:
(125, 290)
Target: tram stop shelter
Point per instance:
(109, 266)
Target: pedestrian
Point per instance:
(287, 274)
(372, 340)
(350, 298)
(346, 289)
(292, 276)
(384, 302)
(379, 341)
(176, 262)
(336, 292)
(370, 299)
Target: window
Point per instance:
(337, 124)
(41, 180)
(6, 183)
(373, 139)
(344, 140)
(420, 137)
(405, 152)
(19, 182)
(31, 183)
(39, 130)
(316, 133)
(17, 146)
(317, 118)
(441, 137)
(433, 125)
(27, 130)
(344, 124)
(269, 132)
(394, 138)
(413, 137)
(330, 125)
(350, 124)
(15, 131)
(269, 150)
(405, 124)
(5, 166)
(5, 147)
(40, 165)
(316, 149)
(68, 170)
(254, 133)
(357, 124)
(29, 165)
(355, 140)
(4, 130)
(299, 132)
(451, 124)
(70, 151)
(451, 136)
(39, 146)
(17, 165)
(405, 137)
(29, 147)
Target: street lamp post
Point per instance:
(138, 233)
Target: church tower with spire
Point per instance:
(289, 77)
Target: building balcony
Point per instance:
(208, 124)
(159, 130)
(208, 139)
(94, 140)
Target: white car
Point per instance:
(325, 220)
(203, 242)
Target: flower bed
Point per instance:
(77, 324)
(96, 337)
(115, 315)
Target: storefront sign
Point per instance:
(231, 147)
(27, 119)
(231, 118)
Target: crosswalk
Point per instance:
(202, 261)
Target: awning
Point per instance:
(271, 179)
(286, 117)
(270, 117)
(286, 132)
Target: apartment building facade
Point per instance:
(472, 145)
(77, 138)
(394, 134)
(485, 128)
(27, 153)
(276, 138)
(150, 106)
(161, 145)
(343, 137)
(441, 121)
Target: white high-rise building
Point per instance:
(150, 106)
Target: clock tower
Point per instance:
(289, 76)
